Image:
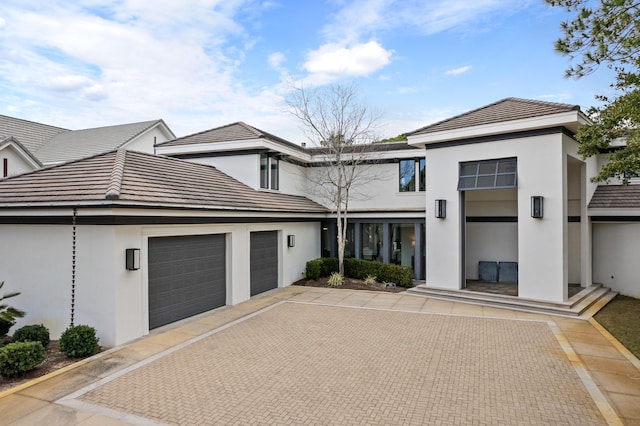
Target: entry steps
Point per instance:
(582, 305)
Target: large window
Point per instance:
(412, 175)
(269, 171)
(488, 174)
(372, 241)
(403, 242)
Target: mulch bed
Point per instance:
(350, 284)
(54, 360)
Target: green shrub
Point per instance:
(370, 280)
(79, 341)
(400, 275)
(335, 280)
(32, 333)
(360, 269)
(329, 265)
(19, 357)
(314, 269)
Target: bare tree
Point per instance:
(341, 128)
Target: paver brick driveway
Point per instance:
(300, 363)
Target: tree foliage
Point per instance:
(7, 312)
(341, 127)
(608, 35)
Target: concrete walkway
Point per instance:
(305, 355)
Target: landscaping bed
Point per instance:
(349, 284)
(54, 360)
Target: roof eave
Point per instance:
(139, 204)
(571, 120)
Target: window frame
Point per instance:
(486, 170)
(417, 178)
(269, 171)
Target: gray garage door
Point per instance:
(264, 261)
(186, 276)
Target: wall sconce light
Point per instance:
(132, 256)
(291, 240)
(441, 209)
(537, 206)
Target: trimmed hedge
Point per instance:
(360, 269)
(19, 357)
(79, 341)
(32, 333)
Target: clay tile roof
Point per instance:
(32, 135)
(83, 143)
(230, 132)
(134, 178)
(616, 196)
(508, 109)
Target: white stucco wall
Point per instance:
(377, 188)
(245, 168)
(145, 142)
(36, 261)
(16, 164)
(108, 297)
(615, 257)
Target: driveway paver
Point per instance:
(297, 356)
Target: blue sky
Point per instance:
(200, 64)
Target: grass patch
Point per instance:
(621, 318)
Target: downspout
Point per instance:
(73, 265)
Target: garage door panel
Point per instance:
(186, 276)
(263, 261)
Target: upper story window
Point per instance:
(488, 174)
(412, 175)
(269, 171)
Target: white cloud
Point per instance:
(458, 71)
(276, 59)
(361, 18)
(99, 62)
(333, 61)
(67, 83)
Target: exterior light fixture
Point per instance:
(441, 209)
(536, 206)
(291, 240)
(132, 256)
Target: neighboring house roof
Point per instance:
(30, 134)
(137, 179)
(616, 196)
(231, 132)
(508, 109)
(20, 148)
(83, 143)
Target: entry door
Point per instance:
(187, 276)
(263, 261)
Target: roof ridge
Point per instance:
(259, 133)
(199, 133)
(115, 181)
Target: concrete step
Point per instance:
(582, 305)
